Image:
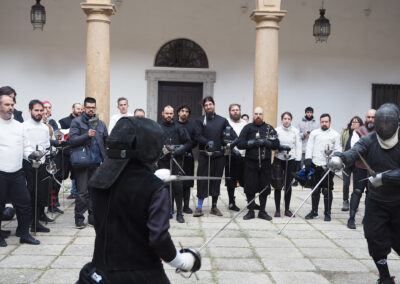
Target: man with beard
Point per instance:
(234, 162)
(176, 142)
(131, 211)
(319, 143)
(13, 147)
(7, 90)
(66, 121)
(82, 134)
(39, 138)
(209, 129)
(258, 139)
(381, 151)
(360, 171)
(188, 159)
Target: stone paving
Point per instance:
(247, 251)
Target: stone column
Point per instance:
(98, 54)
(267, 16)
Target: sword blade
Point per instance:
(370, 171)
(179, 166)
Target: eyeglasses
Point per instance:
(90, 107)
(355, 122)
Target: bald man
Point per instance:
(360, 171)
(258, 139)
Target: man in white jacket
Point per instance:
(320, 142)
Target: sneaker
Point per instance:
(264, 215)
(233, 207)
(311, 215)
(289, 213)
(277, 214)
(2, 242)
(215, 211)
(327, 218)
(198, 212)
(249, 215)
(28, 239)
(44, 218)
(351, 223)
(80, 224)
(187, 210)
(346, 205)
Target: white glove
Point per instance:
(162, 174)
(376, 181)
(183, 261)
(165, 150)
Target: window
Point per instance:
(385, 93)
(181, 53)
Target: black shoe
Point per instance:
(256, 206)
(179, 218)
(45, 218)
(171, 216)
(29, 240)
(311, 215)
(2, 242)
(296, 183)
(386, 281)
(39, 228)
(264, 215)
(327, 217)
(187, 210)
(80, 224)
(351, 223)
(55, 210)
(233, 207)
(249, 215)
(5, 233)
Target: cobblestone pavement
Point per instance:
(247, 251)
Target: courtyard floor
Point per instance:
(246, 252)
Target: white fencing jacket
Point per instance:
(319, 141)
(289, 137)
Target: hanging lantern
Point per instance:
(322, 27)
(38, 16)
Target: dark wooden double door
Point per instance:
(178, 93)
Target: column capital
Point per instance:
(267, 19)
(97, 11)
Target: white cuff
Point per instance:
(177, 262)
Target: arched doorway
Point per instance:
(176, 85)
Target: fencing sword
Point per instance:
(171, 204)
(286, 156)
(328, 152)
(209, 154)
(207, 242)
(259, 150)
(304, 201)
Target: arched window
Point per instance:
(182, 53)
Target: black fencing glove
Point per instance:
(210, 146)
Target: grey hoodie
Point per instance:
(304, 126)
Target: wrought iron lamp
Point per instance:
(322, 27)
(38, 16)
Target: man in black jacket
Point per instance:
(381, 151)
(209, 130)
(82, 133)
(176, 142)
(66, 121)
(131, 211)
(188, 159)
(258, 139)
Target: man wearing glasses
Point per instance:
(87, 130)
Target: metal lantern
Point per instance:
(322, 27)
(38, 16)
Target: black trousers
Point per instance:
(326, 187)
(346, 181)
(43, 182)
(83, 200)
(13, 188)
(235, 170)
(255, 180)
(175, 188)
(216, 170)
(291, 167)
(382, 227)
